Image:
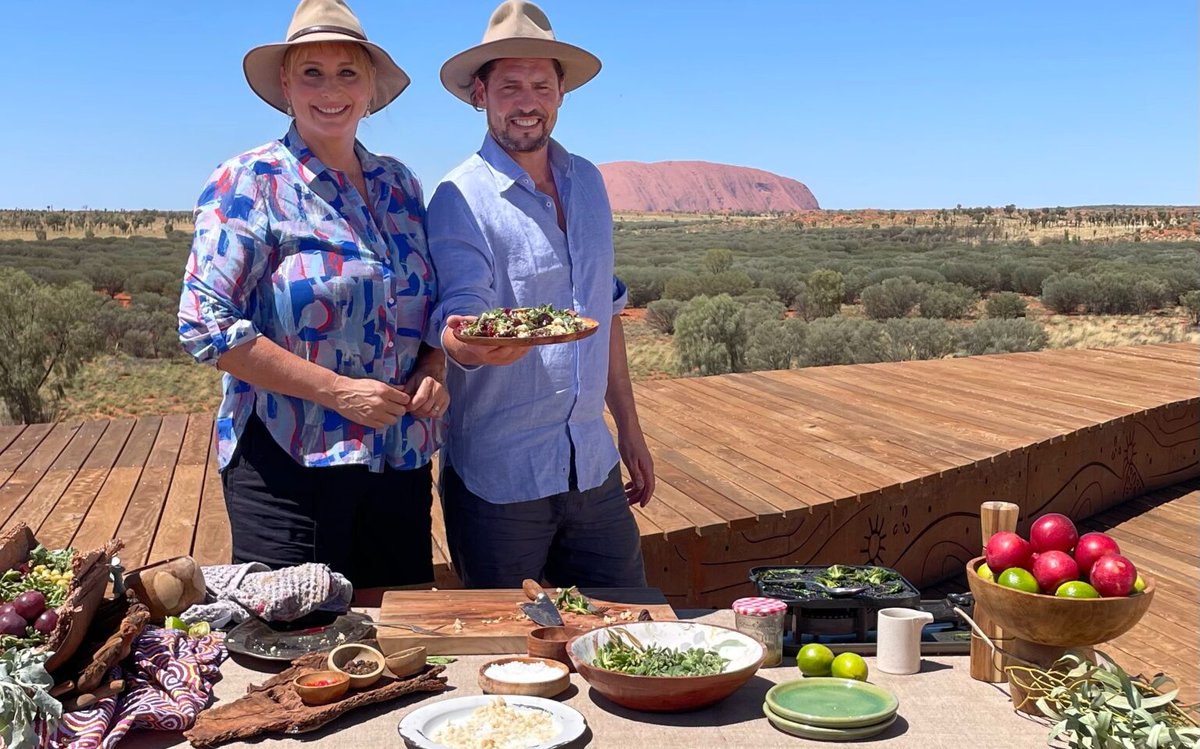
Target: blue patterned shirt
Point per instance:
(495, 241)
(285, 247)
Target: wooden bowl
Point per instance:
(666, 694)
(1053, 621)
(351, 651)
(551, 642)
(321, 695)
(405, 663)
(491, 685)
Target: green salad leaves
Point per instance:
(632, 657)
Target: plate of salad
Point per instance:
(527, 326)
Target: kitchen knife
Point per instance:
(541, 609)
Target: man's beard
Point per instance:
(523, 145)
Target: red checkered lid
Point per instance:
(759, 606)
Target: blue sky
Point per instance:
(131, 104)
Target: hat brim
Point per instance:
(579, 66)
(261, 66)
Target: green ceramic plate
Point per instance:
(832, 703)
(825, 734)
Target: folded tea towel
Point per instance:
(238, 591)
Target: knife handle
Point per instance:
(532, 589)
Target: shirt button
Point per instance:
(391, 301)
(389, 344)
(548, 203)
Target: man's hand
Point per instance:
(474, 354)
(429, 396)
(368, 402)
(636, 457)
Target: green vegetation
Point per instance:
(624, 653)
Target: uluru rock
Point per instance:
(701, 187)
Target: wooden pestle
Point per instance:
(993, 518)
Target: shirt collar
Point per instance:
(507, 172)
(373, 167)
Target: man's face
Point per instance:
(522, 97)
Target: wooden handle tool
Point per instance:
(993, 518)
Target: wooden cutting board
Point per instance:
(491, 621)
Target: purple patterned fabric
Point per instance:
(169, 679)
(286, 248)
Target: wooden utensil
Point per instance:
(985, 666)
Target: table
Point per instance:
(940, 708)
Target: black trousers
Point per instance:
(374, 528)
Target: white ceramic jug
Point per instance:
(899, 640)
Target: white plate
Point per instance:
(421, 724)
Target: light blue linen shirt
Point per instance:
(495, 242)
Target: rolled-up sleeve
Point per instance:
(461, 259)
(229, 253)
(620, 296)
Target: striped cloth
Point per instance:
(169, 679)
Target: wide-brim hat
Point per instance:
(321, 21)
(518, 29)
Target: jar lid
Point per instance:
(759, 606)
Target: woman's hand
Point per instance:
(368, 402)
(428, 396)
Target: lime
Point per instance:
(1015, 577)
(199, 629)
(814, 659)
(1076, 589)
(174, 622)
(985, 572)
(849, 666)
(1139, 584)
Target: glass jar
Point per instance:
(762, 619)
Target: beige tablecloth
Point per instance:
(940, 708)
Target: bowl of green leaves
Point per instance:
(665, 666)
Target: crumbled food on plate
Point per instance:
(526, 322)
(498, 725)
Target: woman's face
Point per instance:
(329, 87)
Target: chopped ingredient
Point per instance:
(359, 667)
(521, 672)
(320, 683)
(526, 322)
(497, 725)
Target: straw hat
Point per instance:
(321, 21)
(518, 29)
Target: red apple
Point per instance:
(1091, 547)
(1006, 550)
(1113, 576)
(1053, 568)
(1053, 532)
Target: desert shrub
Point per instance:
(775, 344)
(894, 297)
(682, 286)
(948, 301)
(710, 336)
(156, 281)
(107, 278)
(826, 290)
(983, 277)
(1151, 293)
(1181, 279)
(731, 282)
(916, 273)
(644, 284)
(717, 261)
(1028, 279)
(46, 335)
(911, 339)
(1065, 293)
(843, 340)
(786, 286)
(1005, 305)
(1190, 300)
(661, 313)
(1003, 337)
(757, 294)
(1113, 294)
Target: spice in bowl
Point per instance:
(522, 672)
(359, 667)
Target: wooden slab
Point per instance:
(491, 620)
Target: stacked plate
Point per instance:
(829, 709)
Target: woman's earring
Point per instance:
(290, 113)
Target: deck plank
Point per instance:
(147, 504)
(58, 529)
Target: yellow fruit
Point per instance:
(814, 659)
(985, 572)
(199, 629)
(1139, 584)
(849, 666)
(1076, 589)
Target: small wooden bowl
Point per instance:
(351, 651)
(405, 663)
(551, 642)
(321, 695)
(549, 688)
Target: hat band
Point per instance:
(327, 29)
